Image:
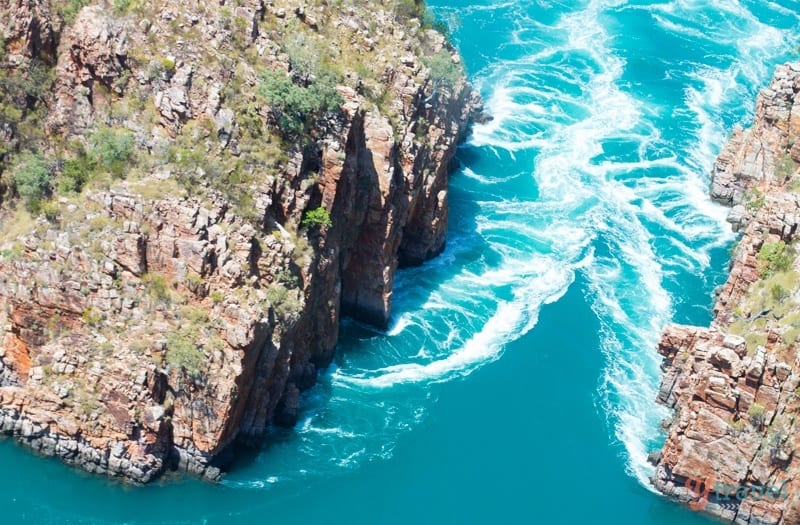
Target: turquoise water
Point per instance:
(517, 379)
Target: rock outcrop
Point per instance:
(153, 322)
(731, 447)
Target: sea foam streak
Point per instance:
(578, 201)
(600, 175)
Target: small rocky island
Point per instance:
(191, 196)
(732, 443)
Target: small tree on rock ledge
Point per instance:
(317, 217)
(444, 72)
(296, 108)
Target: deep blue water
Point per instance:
(517, 380)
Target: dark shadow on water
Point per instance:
(355, 337)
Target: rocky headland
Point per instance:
(192, 194)
(732, 443)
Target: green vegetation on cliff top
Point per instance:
(37, 163)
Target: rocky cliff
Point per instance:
(193, 194)
(732, 443)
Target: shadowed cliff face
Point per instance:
(150, 323)
(731, 447)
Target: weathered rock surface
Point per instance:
(147, 330)
(735, 396)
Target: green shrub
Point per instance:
(283, 301)
(407, 10)
(303, 54)
(139, 346)
(774, 257)
(757, 414)
(287, 278)
(75, 172)
(317, 217)
(193, 280)
(35, 81)
(779, 293)
(122, 6)
(217, 296)
(112, 150)
(753, 340)
(195, 315)
(22, 91)
(184, 352)
(775, 439)
(296, 107)
(155, 69)
(69, 9)
(250, 120)
(276, 294)
(100, 222)
(50, 209)
(429, 21)
(156, 286)
(753, 199)
(444, 72)
(92, 317)
(738, 426)
(168, 65)
(9, 114)
(785, 166)
(32, 174)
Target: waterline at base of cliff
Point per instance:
(520, 365)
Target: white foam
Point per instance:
(336, 431)
(399, 325)
(561, 104)
(676, 27)
(511, 320)
(631, 302)
(469, 173)
(351, 460)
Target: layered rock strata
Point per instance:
(148, 327)
(731, 447)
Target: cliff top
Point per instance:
(100, 92)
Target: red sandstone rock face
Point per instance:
(30, 30)
(736, 408)
(91, 59)
(95, 309)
